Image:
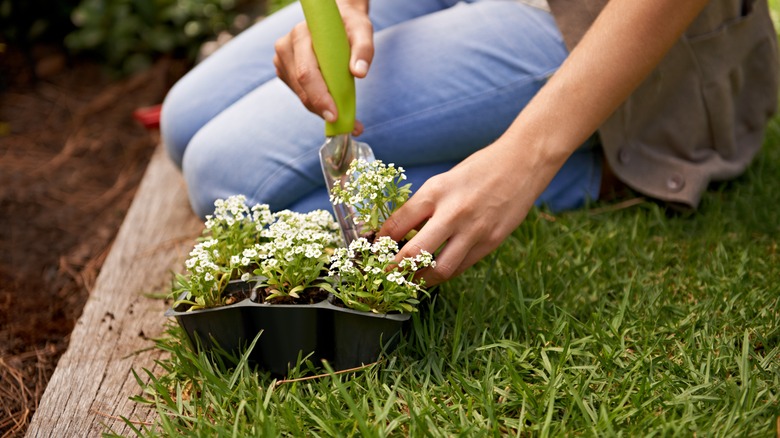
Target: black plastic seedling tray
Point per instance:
(344, 337)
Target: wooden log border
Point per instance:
(90, 388)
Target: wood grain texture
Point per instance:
(89, 390)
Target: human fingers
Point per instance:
(309, 77)
(360, 33)
(468, 214)
(283, 60)
(358, 128)
(297, 66)
(409, 216)
(432, 236)
(456, 257)
(428, 206)
(460, 234)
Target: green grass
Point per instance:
(598, 322)
(627, 321)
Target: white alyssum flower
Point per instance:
(396, 277)
(372, 192)
(422, 260)
(241, 242)
(290, 251)
(366, 277)
(262, 216)
(228, 212)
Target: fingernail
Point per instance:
(361, 67)
(328, 116)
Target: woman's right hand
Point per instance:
(297, 65)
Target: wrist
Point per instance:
(536, 146)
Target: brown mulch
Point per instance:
(71, 158)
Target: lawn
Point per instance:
(611, 320)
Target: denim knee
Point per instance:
(175, 124)
(203, 173)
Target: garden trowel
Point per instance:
(331, 46)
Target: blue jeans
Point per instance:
(447, 79)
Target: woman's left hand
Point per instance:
(470, 210)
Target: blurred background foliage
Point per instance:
(127, 35)
(24, 22)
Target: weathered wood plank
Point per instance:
(89, 389)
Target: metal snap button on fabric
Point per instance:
(675, 183)
(624, 156)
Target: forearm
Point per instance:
(622, 47)
(474, 206)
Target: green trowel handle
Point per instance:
(329, 39)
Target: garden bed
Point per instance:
(72, 159)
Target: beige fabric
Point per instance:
(701, 115)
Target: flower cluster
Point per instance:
(287, 250)
(209, 274)
(374, 190)
(234, 223)
(290, 253)
(294, 252)
(365, 279)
